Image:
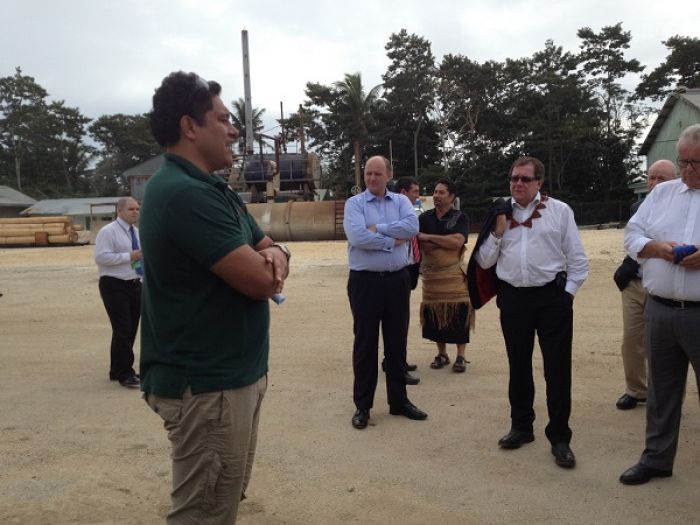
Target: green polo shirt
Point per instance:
(196, 330)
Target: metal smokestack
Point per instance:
(249, 139)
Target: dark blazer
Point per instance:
(483, 283)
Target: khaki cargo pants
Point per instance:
(213, 439)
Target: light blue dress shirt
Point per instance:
(394, 217)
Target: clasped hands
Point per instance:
(280, 266)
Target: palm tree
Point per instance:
(238, 117)
(357, 108)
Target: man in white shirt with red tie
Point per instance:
(118, 258)
(540, 264)
(664, 237)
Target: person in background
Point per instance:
(118, 258)
(409, 187)
(378, 225)
(628, 279)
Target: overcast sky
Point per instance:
(107, 56)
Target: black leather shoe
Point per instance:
(626, 402)
(130, 382)
(640, 474)
(563, 455)
(516, 438)
(409, 410)
(360, 419)
(113, 377)
(412, 380)
(409, 368)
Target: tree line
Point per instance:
(456, 117)
(468, 120)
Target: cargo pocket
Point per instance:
(211, 480)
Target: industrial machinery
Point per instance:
(280, 187)
(276, 177)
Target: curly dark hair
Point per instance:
(451, 186)
(180, 94)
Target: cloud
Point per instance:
(108, 56)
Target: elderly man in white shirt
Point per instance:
(540, 263)
(118, 258)
(664, 236)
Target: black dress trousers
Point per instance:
(122, 300)
(379, 298)
(548, 312)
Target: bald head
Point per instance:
(128, 210)
(660, 171)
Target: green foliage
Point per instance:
(602, 57)
(460, 118)
(238, 117)
(406, 118)
(337, 121)
(681, 68)
(41, 144)
(125, 141)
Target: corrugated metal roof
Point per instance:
(147, 168)
(12, 197)
(692, 96)
(72, 207)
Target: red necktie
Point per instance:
(416, 249)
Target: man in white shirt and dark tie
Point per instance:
(118, 258)
(540, 264)
(664, 236)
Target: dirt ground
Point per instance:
(77, 448)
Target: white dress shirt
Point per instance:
(669, 213)
(113, 251)
(529, 257)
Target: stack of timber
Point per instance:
(38, 231)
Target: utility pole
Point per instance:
(249, 131)
(284, 134)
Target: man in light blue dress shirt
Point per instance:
(378, 225)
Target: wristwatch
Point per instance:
(284, 249)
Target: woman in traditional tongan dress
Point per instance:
(445, 312)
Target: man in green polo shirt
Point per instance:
(208, 273)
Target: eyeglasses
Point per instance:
(684, 163)
(524, 178)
